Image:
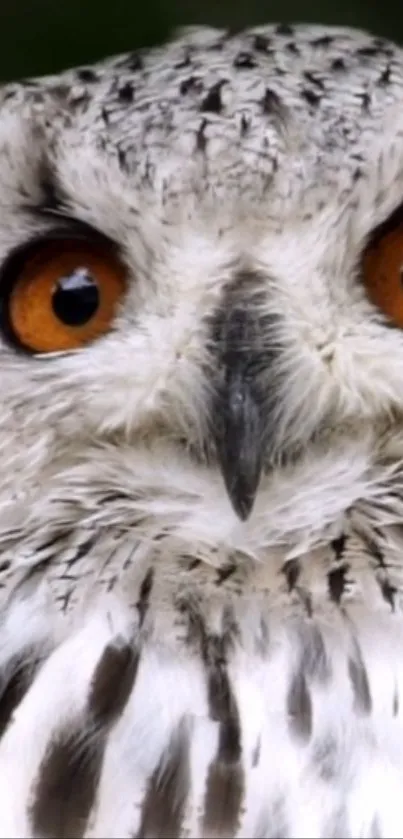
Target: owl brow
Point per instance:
(53, 206)
(53, 199)
(390, 223)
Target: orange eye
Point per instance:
(383, 274)
(65, 295)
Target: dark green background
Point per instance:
(43, 36)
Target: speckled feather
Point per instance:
(166, 668)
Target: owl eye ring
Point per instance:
(382, 272)
(62, 294)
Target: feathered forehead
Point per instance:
(255, 119)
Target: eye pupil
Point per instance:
(75, 298)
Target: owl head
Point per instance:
(201, 283)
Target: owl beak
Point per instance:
(239, 440)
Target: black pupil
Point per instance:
(75, 298)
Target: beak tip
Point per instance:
(239, 440)
(242, 494)
(242, 506)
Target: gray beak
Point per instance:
(238, 411)
(240, 443)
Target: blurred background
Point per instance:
(43, 36)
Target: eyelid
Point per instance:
(390, 223)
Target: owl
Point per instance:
(201, 441)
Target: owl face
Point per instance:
(200, 275)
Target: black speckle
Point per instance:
(223, 798)
(191, 84)
(384, 47)
(122, 159)
(299, 706)
(105, 116)
(357, 174)
(244, 125)
(62, 92)
(312, 79)
(291, 570)
(134, 62)
(338, 64)
(271, 102)
(144, 595)
(212, 101)
(306, 600)
(384, 78)
(64, 790)
(126, 93)
(244, 61)
(225, 572)
(338, 545)
(326, 758)
(15, 681)
(218, 46)
(59, 536)
(375, 551)
(256, 754)
(336, 579)
(114, 497)
(368, 52)
(310, 97)
(315, 663)
(222, 703)
(261, 43)
(164, 803)
(323, 41)
(284, 29)
(224, 710)
(201, 139)
(9, 93)
(80, 101)
(388, 592)
(112, 682)
(262, 638)
(82, 550)
(396, 703)
(359, 682)
(185, 61)
(86, 75)
(365, 101)
(193, 564)
(225, 780)
(292, 48)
